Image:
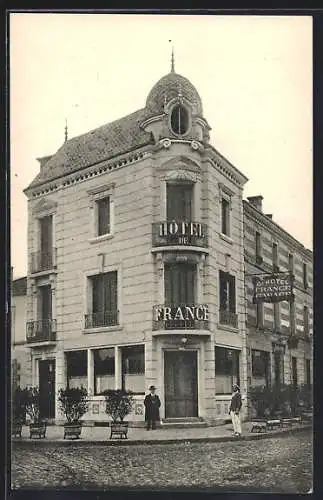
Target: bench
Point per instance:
(273, 424)
(258, 426)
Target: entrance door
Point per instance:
(47, 388)
(180, 384)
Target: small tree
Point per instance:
(118, 404)
(73, 403)
(19, 402)
(33, 404)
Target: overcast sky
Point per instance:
(254, 75)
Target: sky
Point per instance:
(253, 73)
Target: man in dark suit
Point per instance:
(152, 405)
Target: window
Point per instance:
(305, 282)
(275, 258)
(133, 369)
(260, 368)
(291, 263)
(259, 258)
(226, 370)
(292, 316)
(180, 284)
(276, 307)
(227, 292)
(306, 320)
(44, 302)
(103, 211)
(45, 256)
(179, 119)
(104, 301)
(104, 370)
(76, 367)
(180, 202)
(294, 371)
(260, 315)
(225, 216)
(308, 372)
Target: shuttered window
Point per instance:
(104, 289)
(179, 202)
(46, 234)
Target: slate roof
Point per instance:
(19, 287)
(105, 142)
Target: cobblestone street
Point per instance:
(275, 464)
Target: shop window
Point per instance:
(226, 370)
(260, 368)
(104, 370)
(76, 368)
(133, 369)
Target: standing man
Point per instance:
(234, 410)
(152, 405)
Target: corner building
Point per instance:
(136, 263)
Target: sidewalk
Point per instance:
(97, 435)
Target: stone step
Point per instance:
(183, 423)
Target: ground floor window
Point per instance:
(260, 368)
(104, 370)
(226, 369)
(133, 368)
(76, 367)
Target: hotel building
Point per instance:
(137, 257)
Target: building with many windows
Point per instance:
(137, 263)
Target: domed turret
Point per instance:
(168, 88)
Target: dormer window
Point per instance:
(179, 119)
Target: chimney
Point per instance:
(270, 216)
(256, 201)
(43, 160)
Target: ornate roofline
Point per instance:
(272, 226)
(224, 166)
(83, 174)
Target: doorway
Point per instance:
(47, 388)
(180, 369)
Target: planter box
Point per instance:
(119, 430)
(16, 430)
(37, 430)
(72, 431)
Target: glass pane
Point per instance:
(76, 367)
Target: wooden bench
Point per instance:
(258, 426)
(273, 424)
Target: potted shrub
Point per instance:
(37, 425)
(19, 401)
(118, 404)
(73, 403)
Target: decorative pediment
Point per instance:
(181, 167)
(181, 175)
(45, 205)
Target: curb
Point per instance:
(136, 442)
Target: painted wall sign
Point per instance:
(273, 288)
(180, 233)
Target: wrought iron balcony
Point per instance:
(228, 318)
(181, 317)
(177, 232)
(105, 318)
(42, 330)
(43, 261)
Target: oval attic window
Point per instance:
(179, 120)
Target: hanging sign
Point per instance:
(273, 287)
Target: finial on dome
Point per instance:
(66, 132)
(172, 68)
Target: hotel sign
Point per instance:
(273, 288)
(180, 233)
(182, 313)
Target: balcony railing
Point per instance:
(181, 317)
(43, 261)
(42, 330)
(228, 318)
(105, 318)
(178, 232)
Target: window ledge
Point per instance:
(226, 238)
(97, 239)
(228, 327)
(114, 328)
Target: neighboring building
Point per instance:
(21, 374)
(136, 263)
(279, 334)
